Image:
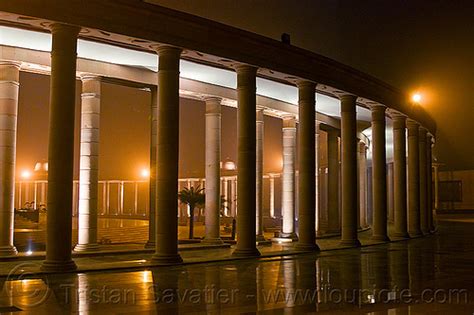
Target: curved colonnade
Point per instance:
(175, 36)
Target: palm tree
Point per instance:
(192, 197)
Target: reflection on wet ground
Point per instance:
(430, 275)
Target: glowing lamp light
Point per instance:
(28, 253)
(25, 174)
(145, 173)
(416, 97)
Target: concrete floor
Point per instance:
(432, 275)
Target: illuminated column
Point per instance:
(379, 174)
(349, 170)
(436, 185)
(233, 196)
(362, 184)
(152, 179)
(288, 178)
(333, 182)
(213, 171)
(316, 165)
(9, 88)
(61, 149)
(413, 179)
(89, 164)
(423, 182)
(246, 164)
(259, 174)
(306, 166)
(167, 157)
(272, 196)
(429, 142)
(400, 176)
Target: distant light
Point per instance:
(145, 173)
(28, 253)
(25, 174)
(416, 97)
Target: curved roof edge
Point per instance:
(157, 24)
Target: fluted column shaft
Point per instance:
(362, 184)
(9, 89)
(379, 174)
(316, 166)
(288, 178)
(213, 172)
(259, 174)
(423, 182)
(246, 164)
(333, 183)
(152, 179)
(306, 166)
(413, 180)
(61, 149)
(89, 164)
(400, 176)
(167, 157)
(349, 170)
(429, 181)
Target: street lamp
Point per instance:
(416, 98)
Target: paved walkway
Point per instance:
(129, 256)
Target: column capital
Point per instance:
(423, 133)
(348, 97)
(259, 113)
(245, 68)
(166, 49)
(348, 102)
(301, 83)
(90, 77)
(10, 71)
(411, 124)
(213, 105)
(378, 112)
(289, 121)
(11, 63)
(399, 121)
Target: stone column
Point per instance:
(89, 164)
(306, 166)
(429, 174)
(288, 179)
(246, 164)
(413, 180)
(233, 196)
(9, 88)
(436, 185)
(333, 183)
(316, 165)
(423, 182)
(259, 174)
(152, 179)
(400, 176)
(213, 171)
(61, 149)
(362, 184)
(272, 196)
(349, 170)
(379, 175)
(167, 157)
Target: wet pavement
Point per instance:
(432, 275)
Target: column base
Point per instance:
(415, 234)
(292, 236)
(212, 241)
(251, 252)
(86, 247)
(8, 251)
(58, 266)
(307, 247)
(401, 235)
(351, 243)
(150, 244)
(383, 238)
(166, 259)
